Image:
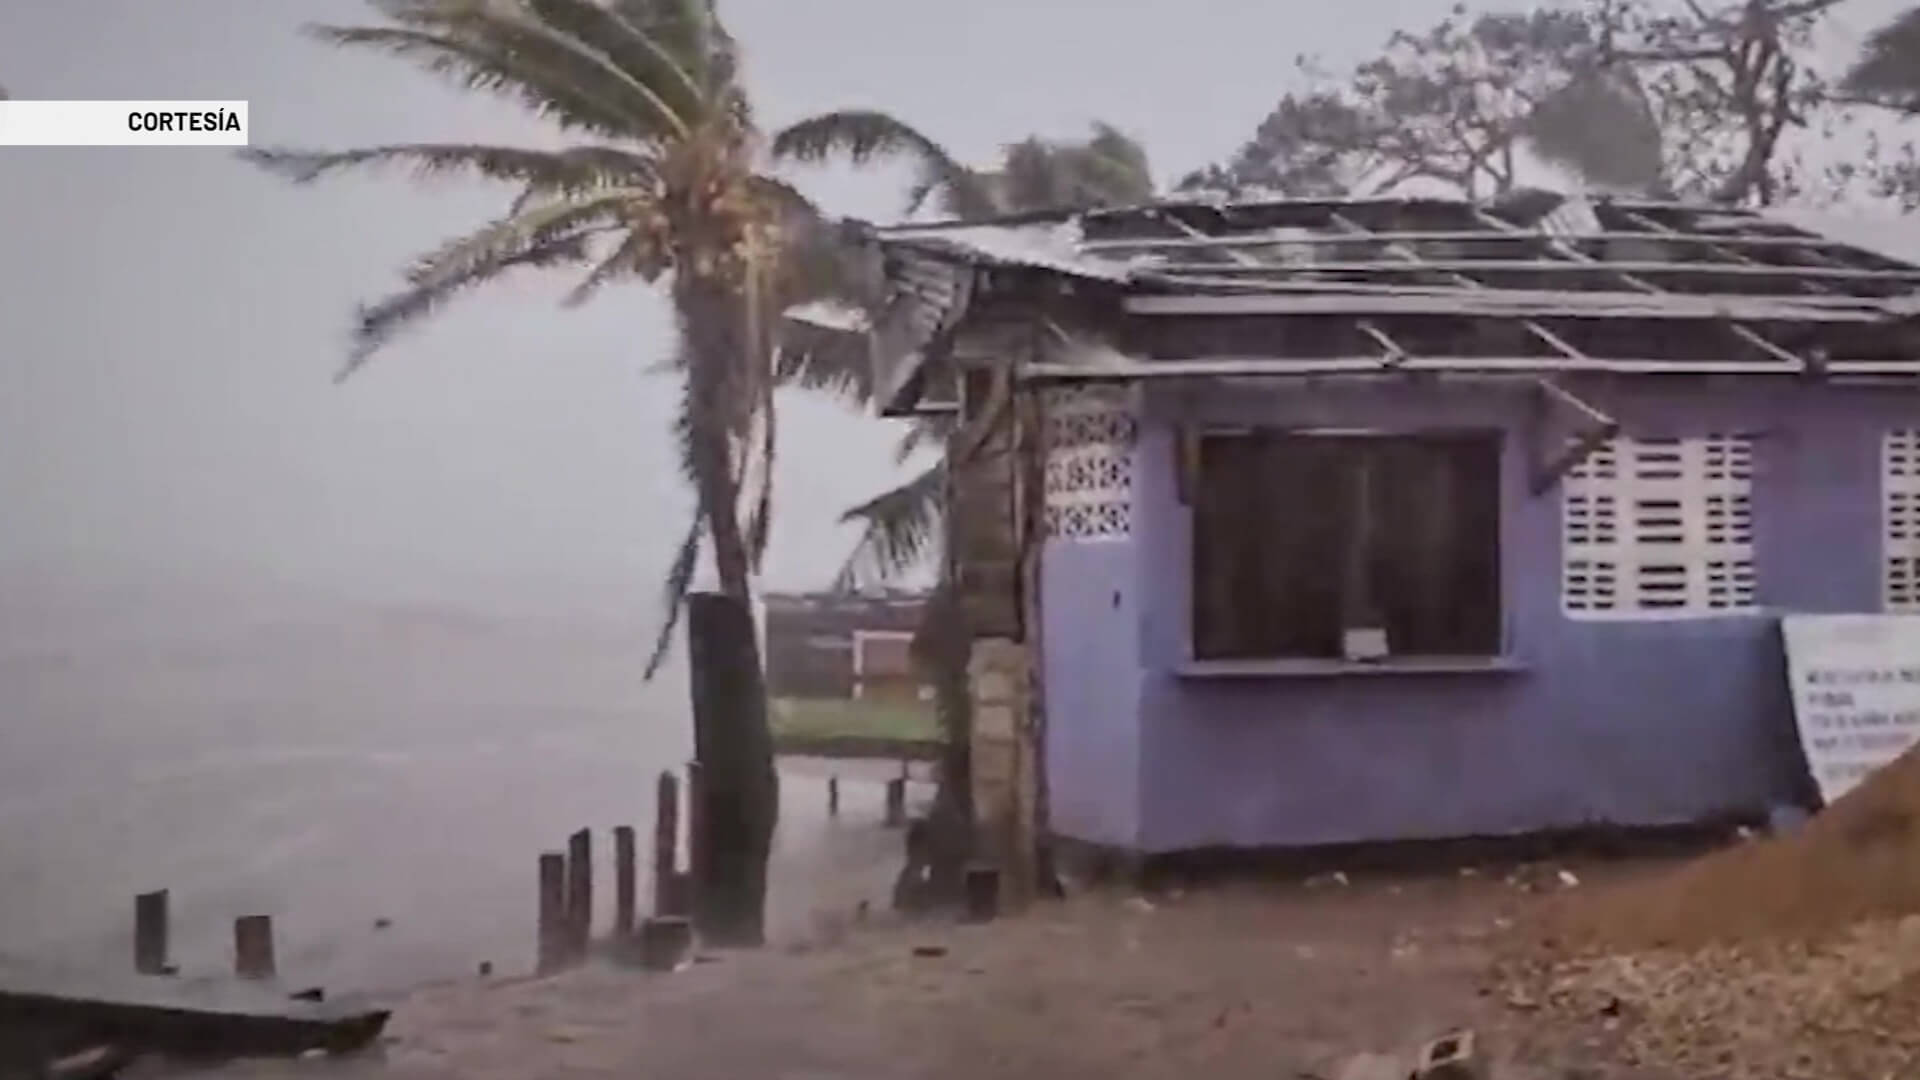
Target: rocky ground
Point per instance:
(1284, 979)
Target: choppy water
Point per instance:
(331, 765)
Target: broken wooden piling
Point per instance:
(982, 888)
(665, 943)
(579, 893)
(623, 881)
(666, 844)
(253, 947)
(696, 835)
(553, 912)
(150, 920)
(896, 802)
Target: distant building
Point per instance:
(843, 645)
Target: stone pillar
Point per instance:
(1003, 766)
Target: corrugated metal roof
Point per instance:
(1285, 243)
(1773, 291)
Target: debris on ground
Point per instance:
(1794, 955)
(1848, 1006)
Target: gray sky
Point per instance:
(171, 318)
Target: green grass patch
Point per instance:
(817, 718)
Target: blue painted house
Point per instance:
(1310, 522)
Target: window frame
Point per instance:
(1491, 654)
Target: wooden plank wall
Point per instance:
(991, 462)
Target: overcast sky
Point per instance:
(169, 318)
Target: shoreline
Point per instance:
(854, 747)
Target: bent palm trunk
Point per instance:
(739, 790)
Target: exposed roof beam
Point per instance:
(1621, 270)
(1512, 365)
(1667, 235)
(1312, 238)
(1585, 264)
(1503, 303)
(1393, 352)
(1408, 254)
(1396, 353)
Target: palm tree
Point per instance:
(661, 182)
(900, 527)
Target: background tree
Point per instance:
(660, 184)
(1452, 106)
(1886, 79)
(1696, 101)
(1727, 84)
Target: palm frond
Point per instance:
(543, 171)
(640, 254)
(863, 135)
(925, 432)
(376, 324)
(783, 199)
(831, 359)
(629, 47)
(901, 527)
(547, 88)
(605, 206)
(556, 234)
(692, 32)
(521, 31)
(673, 594)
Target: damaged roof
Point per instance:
(1735, 290)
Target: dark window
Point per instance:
(1298, 539)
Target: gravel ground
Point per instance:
(1286, 980)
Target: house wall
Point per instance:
(1618, 721)
(1091, 619)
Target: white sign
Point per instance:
(123, 123)
(1856, 692)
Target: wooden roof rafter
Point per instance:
(1392, 352)
(1411, 255)
(1746, 334)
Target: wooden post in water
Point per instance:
(696, 838)
(666, 844)
(150, 933)
(665, 942)
(579, 893)
(253, 947)
(738, 802)
(833, 796)
(553, 912)
(896, 802)
(623, 881)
